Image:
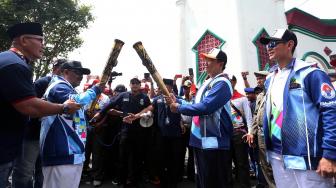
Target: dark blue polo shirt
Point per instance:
(32, 131)
(127, 103)
(15, 86)
(168, 122)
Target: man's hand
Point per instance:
(174, 107)
(249, 138)
(114, 112)
(244, 75)
(170, 99)
(97, 120)
(71, 106)
(101, 86)
(130, 118)
(326, 168)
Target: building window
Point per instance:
(263, 59)
(205, 43)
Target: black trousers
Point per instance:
(98, 151)
(190, 163)
(131, 156)
(171, 152)
(213, 168)
(239, 153)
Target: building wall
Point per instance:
(235, 21)
(314, 47)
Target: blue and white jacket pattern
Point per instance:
(62, 137)
(309, 117)
(211, 123)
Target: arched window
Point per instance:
(263, 59)
(205, 43)
(315, 57)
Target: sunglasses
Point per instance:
(77, 72)
(273, 44)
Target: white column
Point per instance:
(182, 64)
(280, 12)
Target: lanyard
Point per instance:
(18, 52)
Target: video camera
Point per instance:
(114, 74)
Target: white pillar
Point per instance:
(182, 62)
(280, 11)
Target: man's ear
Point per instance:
(22, 40)
(290, 45)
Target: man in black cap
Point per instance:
(18, 99)
(62, 137)
(132, 135)
(211, 129)
(300, 117)
(167, 137)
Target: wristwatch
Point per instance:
(65, 109)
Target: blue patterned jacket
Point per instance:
(309, 117)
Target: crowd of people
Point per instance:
(282, 132)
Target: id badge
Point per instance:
(167, 121)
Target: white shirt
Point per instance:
(242, 104)
(278, 87)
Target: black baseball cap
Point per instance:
(120, 88)
(135, 81)
(76, 65)
(58, 62)
(280, 35)
(30, 28)
(217, 54)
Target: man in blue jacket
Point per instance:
(211, 124)
(300, 117)
(63, 137)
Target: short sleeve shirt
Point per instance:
(129, 103)
(15, 86)
(168, 122)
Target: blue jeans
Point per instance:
(27, 169)
(5, 170)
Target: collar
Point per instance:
(288, 66)
(276, 67)
(19, 53)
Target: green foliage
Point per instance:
(62, 22)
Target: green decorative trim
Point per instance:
(319, 56)
(202, 78)
(254, 41)
(312, 34)
(194, 49)
(325, 21)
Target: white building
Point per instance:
(236, 25)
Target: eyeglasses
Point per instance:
(77, 72)
(40, 39)
(273, 44)
(135, 83)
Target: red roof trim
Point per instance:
(322, 27)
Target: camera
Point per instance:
(114, 74)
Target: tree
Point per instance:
(62, 21)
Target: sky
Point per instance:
(154, 22)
